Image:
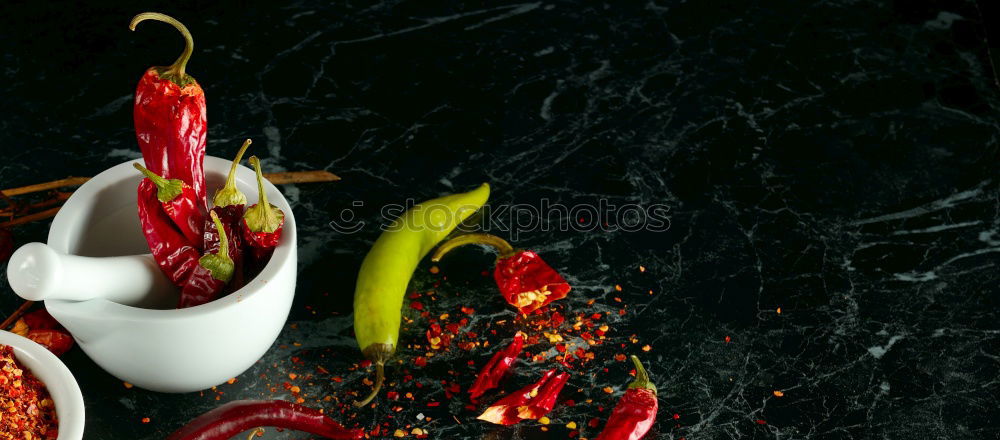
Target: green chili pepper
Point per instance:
(386, 270)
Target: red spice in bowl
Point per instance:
(28, 411)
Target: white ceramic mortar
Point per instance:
(169, 350)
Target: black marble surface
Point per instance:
(835, 159)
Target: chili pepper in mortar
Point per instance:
(229, 204)
(180, 203)
(525, 281)
(169, 116)
(494, 370)
(262, 222)
(386, 270)
(212, 273)
(235, 417)
(636, 410)
(175, 255)
(530, 402)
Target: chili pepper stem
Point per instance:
(166, 189)
(504, 249)
(379, 378)
(174, 72)
(262, 217)
(229, 194)
(219, 264)
(641, 381)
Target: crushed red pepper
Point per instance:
(28, 411)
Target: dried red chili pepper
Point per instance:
(180, 203)
(525, 281)
(41, 327)
(229, 204)
(530, 402)
(6, 244)
(262, 222)
(494, 370)
(175, 255)
(636, 410)
(235, 417)
(169, 115)
(210, 276)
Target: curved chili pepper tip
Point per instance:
(503, 248)
(176, 71)
(641, 381)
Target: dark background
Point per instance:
(836, 159)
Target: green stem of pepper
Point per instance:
(503, 248)
(229, 194)
(166, 189)
(641, 381)
(219, 264)
(262, 217)
(174, 72)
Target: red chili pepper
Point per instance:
(180, 203)
(175, 255)
(525, 281)
(235, 417)
(169, 115)
(494, 370)
(262, 222)
(58, 342)
(229, 203)
(636, 410)
(212, 273)
(530, 402)
(6, 244)
(41, 327)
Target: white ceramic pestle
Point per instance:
(37, 272)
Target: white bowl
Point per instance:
(57, 379)
(169, 350)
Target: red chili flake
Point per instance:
(676, 416)
(416, 305)
(761, 422)
(392, 395)
(420, 361)
(365, 363)
(433, 404)
(468, 310)
(28, 411)
(530, 402)
(728, 339)
(594, 422)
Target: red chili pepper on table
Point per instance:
(525, 281)
(530, 402)
(180, 203)
(494, 370)
(238, 416)
(636, 410)
(262, 222)
(41, 327)
(174, 253)
(169, 115)
(229, 204)
(212, 273)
